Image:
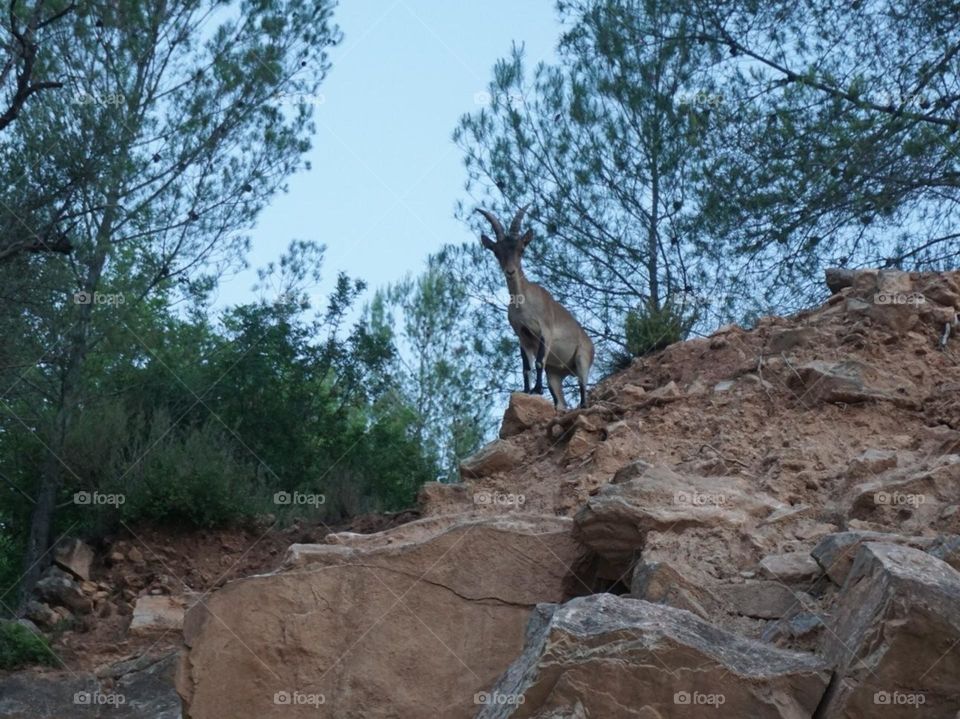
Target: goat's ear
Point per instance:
(487, 242)
(527, 236)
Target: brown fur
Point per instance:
(534, 315)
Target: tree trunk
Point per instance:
(42, 516)
(653, 240)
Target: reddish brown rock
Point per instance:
(402, 627)
(498, 456)
(525, 411)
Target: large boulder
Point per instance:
(609, 656)
(411, 622)
(643, 498)
(893, 637)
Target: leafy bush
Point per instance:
(650, 329)
(20, 647)
(191, 476)
(10, 562)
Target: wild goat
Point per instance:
(549, 335)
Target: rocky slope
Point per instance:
(758, 523)
(764, 522)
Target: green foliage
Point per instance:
(19, 647)
(448, 370)
(10, 553)
(191, 476)
(605, 143)
(841, 143)
(649, 329)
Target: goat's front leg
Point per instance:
(526, 369)
(541, 353)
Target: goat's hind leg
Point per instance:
(555, 382)
(583, 372)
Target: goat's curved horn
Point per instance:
(494, 222)
(517, 220)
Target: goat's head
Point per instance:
(508, 246)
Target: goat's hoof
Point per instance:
(537, 390)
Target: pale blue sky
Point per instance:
(385, 172)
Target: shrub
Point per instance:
(10, 562)
(191, 476)
(20, 647)
(650, 329)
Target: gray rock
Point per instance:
(947, 549)
(599, 654)
(791, 567)
(835, 552)
(41, 613)
(762, 599)
(75, 556)
(59, 588)
(893, 636)
(147, 693)
(837, 278)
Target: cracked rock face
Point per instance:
(412, 622)
(893, 639)
(608, 656)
